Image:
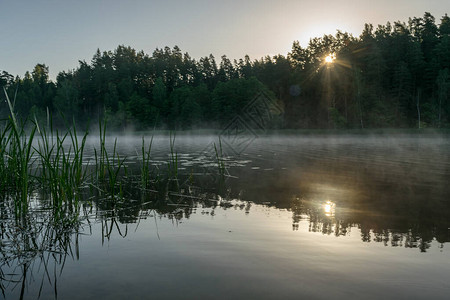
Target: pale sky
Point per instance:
(61, 32)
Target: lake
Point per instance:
(291, 216)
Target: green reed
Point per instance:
(172, 166)
(221, 167)
(146, 165)
(173, 160)
(62, 172)
(108, 166)
(19, 158)
(53, 163)
(220, 161)
(5, 177)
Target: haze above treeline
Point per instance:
(394, 75)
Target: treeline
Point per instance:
(394, 75)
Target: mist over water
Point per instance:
(385, 182)
(381, 184)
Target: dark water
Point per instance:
(316, 217)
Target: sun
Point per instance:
(330, 58)
(329, 208)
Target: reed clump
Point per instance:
(54, 163)
(108, 167)
(60, 171)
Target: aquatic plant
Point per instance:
(108, 166)
(61, 171)
(18, 158)
(220, 160)
(53, 162)
(146, 165)
(172, 166)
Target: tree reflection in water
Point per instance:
(335, 197)
(35, 246)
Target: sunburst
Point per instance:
(330, 58)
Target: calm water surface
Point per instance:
(316, 217)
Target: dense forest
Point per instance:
(394, 75)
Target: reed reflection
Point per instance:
(35, 246)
